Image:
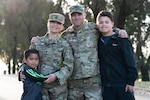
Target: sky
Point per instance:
(65, 8)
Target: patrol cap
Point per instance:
(77, 8)
(57, 17)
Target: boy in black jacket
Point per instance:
(117, 63)
(33, 81)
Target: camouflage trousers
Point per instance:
(54, 92)
(85, 89)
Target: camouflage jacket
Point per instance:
(56, 57)
(84, 45)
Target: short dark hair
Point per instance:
(28, 52)
(104, 13)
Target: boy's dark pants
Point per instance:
(116, 93)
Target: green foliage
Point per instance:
(23, 19)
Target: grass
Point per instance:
(142, 84)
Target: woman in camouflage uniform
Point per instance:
(56, 59)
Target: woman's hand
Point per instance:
(51, 78)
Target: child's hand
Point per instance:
(51, 78)
(129, 88)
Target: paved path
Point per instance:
(11, 89)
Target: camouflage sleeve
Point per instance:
(32, 46)
(67, 66)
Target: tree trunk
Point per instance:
(144, 71)
(14, 55)
(144, 67)
(122, 15)
(9, 68)
(96, 6)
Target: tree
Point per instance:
(142, 36)
(23, 20)
(95, 5)
(123, 9)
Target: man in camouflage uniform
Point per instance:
(56, 59)
(84, 83)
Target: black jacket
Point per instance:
(117, 63)
(32, 84)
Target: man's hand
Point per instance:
(69, 28)
(123, 34)
(129, 88)
(51, 78)
(34, 39)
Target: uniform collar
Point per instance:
(84, 27)
(51, 41)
